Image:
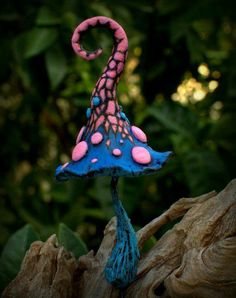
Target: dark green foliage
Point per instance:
(45, 90)
(18, 244)
(13, 253)
(71, 241)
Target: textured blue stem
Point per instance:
(121, 268)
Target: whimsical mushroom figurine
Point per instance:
(109, 146)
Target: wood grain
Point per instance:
(196, 258)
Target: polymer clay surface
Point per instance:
(108, 145)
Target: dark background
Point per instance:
(179, 85)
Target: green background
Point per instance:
(178, 85)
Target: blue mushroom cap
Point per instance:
(113, 155)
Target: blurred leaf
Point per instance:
(196, 47)
(101, 192)
(203, 171)
(101, 9)
(9, 16)
(217, 55)
(14, 252)
(60, 195)
(173, 118)
(5, 55)
(71, 241)
(46, 17)
(123, 12)
(141, 6)
(166, 6)
(178, 29)
(38, 40)
(40, 115)
(56, 65)
(97, 213)
(69, 19)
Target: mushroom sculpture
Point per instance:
(109, 146)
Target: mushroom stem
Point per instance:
(121, 268)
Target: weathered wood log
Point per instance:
(196, 258)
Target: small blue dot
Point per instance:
(96, 101)
(88, 113)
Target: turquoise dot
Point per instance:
(123, 116)
(88, 113)
(96, 101)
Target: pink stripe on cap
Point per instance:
(80, 134)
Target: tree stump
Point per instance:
(196, 258)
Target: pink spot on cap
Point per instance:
(92, 56)
(83, 26)
(114, 127)
(120, 33)
(119, 56)
(102, 20)
(102, 94)
(116, 152)
(75, 37)
(96, 138)
(92, 21)
(111, 107)
(80, 135)
(101, 83)
(98, 110)
(79, 151)
(120, 67)
(109, 83)
(109, 94)
(94, 160)
(122, 46)
(112, 64)
(99, 121)
(111, 74)
(119, 128)
(112, 119)
(141, 155)
(114, 25)
(65, 165)
(75, 46)
(139, 134)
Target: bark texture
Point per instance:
(196, 258)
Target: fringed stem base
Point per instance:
(121, 268)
